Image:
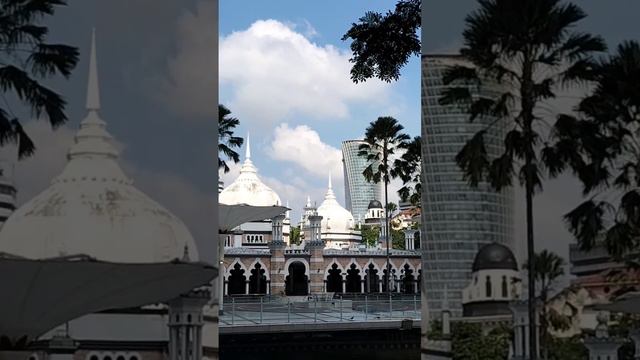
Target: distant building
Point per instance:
(457, 219)
(357, 191)
(7, 191)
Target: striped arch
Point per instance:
(227, 271)
(334, 261)
(400, 271)
(375, 266)
(292, 260)
(267, 271)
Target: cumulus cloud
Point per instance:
(190, 83)
(273, 72)
(303, 147)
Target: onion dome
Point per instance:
(248, 188)
(92, 207)
(335, 218)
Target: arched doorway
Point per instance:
(354, 280)
(408, 280)
(393, 280)
(371, 279)
(257, 280)
(416, 240)
(334, 279)
(237, 280)
(296, 283)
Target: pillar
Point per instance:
(344, 285)
(408, 239)
(520, 313)
(602, 346)
(315, 246)
(185, 325)
(276, 246)
(635, 336)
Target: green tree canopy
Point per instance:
(383, 43)
(226, 139)
(25, 57)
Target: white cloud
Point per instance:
(272, 72)
(190, 82)
(302, 146)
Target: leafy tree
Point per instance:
(602, 141)
(383, 44)
(567, 348)
(548, 268)
(370, 235)
(469, 341)
(519, 52)
(226, 140)
(383, 138)
(26, 56)
(397, 239)
(294, 235)
(410, 172)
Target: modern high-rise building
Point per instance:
(457, 220)
(357, 191)
(7, 191)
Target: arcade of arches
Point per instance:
(251, 276)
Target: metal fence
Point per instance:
(265, 310)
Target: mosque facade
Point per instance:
(264, 258)
(92, 212)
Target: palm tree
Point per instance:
(548, 268)
(606, 145)
(226, 140)
(520, 53)
(383, 138)
(27, 56)
(409, 171)
(383, 44)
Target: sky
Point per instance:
(284, 72)
(443, 23)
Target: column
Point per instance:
(277, 246)
(246, 287)
(315, 246)
(408, 239)
(380, 285)
(362, 286)
(602, 346)
(268, 287)
(344, 286)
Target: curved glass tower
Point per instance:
(357, 191)
(457, 219)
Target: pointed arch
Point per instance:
(302, 260)
(232, 265)
(263, 265)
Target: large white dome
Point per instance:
(248, 188)
(93, 209)
(335, 218)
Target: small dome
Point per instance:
(248, 188)
(335, 218)
(375, 204)
(494, 256)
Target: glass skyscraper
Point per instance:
(357, 191)
(457, 219)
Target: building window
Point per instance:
(505, 292)
(488, 286)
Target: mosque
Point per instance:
(92, 212)
(262, 257)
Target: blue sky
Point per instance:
(284, 74)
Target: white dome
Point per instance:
(335, 218)
(248, 188)
(93, 209)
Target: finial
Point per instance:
(247, 154)
(185, 254)
(330, 180)
(308, 201)
(93, 91)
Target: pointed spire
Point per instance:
(330, 194)
(308, 201)
(93, 91)
(247, 154)
(330, 180)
